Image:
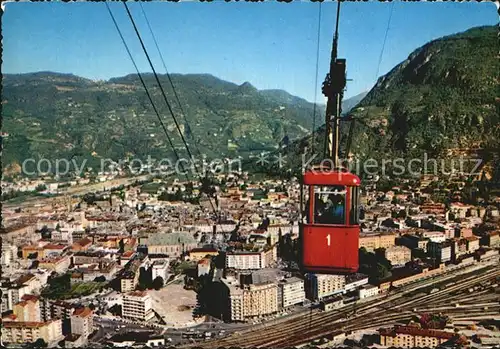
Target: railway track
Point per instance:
(396, 308)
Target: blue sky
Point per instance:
(270, 44)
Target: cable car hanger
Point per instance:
(329, 237)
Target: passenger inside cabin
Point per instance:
(330, 205)
(335, 209)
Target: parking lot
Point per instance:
(175, 305)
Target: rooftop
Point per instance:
(137, 294)
(24, 278)
(22, 324)
(173, 238)
(355, 277)
(82, 312)
(416, 331)
(204, 250)
(84, 241)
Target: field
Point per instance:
(59, 288)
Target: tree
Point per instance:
(158, 283)
(34, 265)
(100, 279)
(122, 246)
(41, 187)
(145, 278)
(40, 343)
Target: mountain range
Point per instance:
(443, 96)
(53, 115)
(443, 100)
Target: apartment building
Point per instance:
(290, 292)
(414, 242)
(244, 260)
(247, 260)
(160, 269)
(259, 300)
(491, 239)
(29, 251)
(15, 332)
(137, 306)
(236, 304)
(442, 251)
(130, 274)
(472, 244)
(28, 309)
(252, 300)
(436, 236)
(128, 281)
(84, 257)
(459, 247)
(30, 283)
(57, 264)
(412, 337)
(9, 254)
(371, 242)
(82, 321)
(398, 255)
(54, 250)
(58, 309)
(320, 286)
(81, 245)
(12, 292)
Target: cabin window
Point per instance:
(304, 204)
(329, 204)
(354, 212)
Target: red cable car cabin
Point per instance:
(330, 235)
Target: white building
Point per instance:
(355, 281)
(9, 254)
(203, 267)
(323, 285)
(243, 260)
(82, 322)
(65, 233)
(160, 269)
(436, 236)
(236, 304)
(441, 251)
(290, 292)
(251, 260)
(368, 291)
(137, 306)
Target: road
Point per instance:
(109, 327)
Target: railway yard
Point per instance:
(468, 293)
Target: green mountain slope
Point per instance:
(443, 98)
(52, 115)
(61, 115)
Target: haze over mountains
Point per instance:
(441, 97)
